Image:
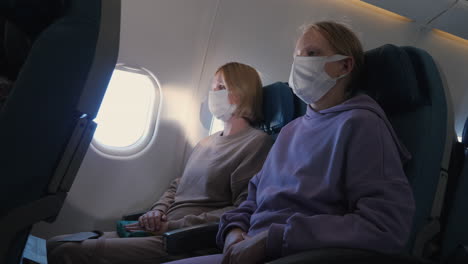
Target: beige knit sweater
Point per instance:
(215, 178)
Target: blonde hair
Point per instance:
(345, 42)
(244, 82)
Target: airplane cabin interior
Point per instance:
(105, 103)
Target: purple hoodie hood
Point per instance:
(367, 103)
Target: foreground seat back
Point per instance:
(46, 124)
(455, 235)
(19, 27)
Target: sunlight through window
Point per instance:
(216, 125)
(127, 110)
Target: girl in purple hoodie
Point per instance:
(334, 177)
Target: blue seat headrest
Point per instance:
(278, 107)
(389, 76)
(465, 134)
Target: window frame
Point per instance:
(151, 129)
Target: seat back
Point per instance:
(455, 235)
(19, 27)
(406, 83)
(46, 123)
(278, 108)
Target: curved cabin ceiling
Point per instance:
(447, 15)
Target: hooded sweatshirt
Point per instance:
(334, 178)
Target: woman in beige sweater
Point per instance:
(215, 178)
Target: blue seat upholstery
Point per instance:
(455, 235)
(46, 124)
(278, 107)
(406, 83)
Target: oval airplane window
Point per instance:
(128, 114)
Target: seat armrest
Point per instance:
(190, 239)
(347, 256)
(132, 216)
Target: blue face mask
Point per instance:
(308, 77)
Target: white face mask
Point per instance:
(218, 103)
(308, 77)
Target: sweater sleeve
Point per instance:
(379, 198)
(239, 217)
(167, 198)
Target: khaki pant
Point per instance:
(108, 248)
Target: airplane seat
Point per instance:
(418, 111)
(455, 236)
(46, 124)
(278, 108)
